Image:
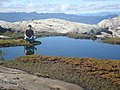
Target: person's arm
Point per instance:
(25, 35)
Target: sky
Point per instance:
(60, 6)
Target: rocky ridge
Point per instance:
(51, 25)
(106, 28)
(112, 24)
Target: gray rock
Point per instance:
(51, 25)
(112, 25)
(12, 79)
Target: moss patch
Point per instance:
(12, 34)
(91, 74)
(81, 36)
(15, 42)
(111, 40)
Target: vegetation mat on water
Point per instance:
(15, 42)
(91, 74)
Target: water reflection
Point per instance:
(29, 50)
(1, 55)
(63, 46)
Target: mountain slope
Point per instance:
(22, 16)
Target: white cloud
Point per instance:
(99, 0)
(3, 1)
(47, 6)
(65, 7)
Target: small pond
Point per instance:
(64, 46)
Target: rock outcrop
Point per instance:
(12, 79)
(106, 28)
(51, 25)
(112, 25)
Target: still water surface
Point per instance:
(63, 46)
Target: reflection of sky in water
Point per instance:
(63, 46)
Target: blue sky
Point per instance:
(60, 6)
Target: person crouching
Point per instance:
(29, 34)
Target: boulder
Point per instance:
(112, 24)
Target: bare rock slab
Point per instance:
(12, 79)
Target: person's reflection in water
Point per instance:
(30, 50)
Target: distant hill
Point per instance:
(20, 16)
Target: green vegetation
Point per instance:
(111, 40)
(80, 36)
(13, 35)
(70, 35)
(15, 42)
(47, 34)
(17, 38)
(20, 35)
(90, 73)
(17, 35)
